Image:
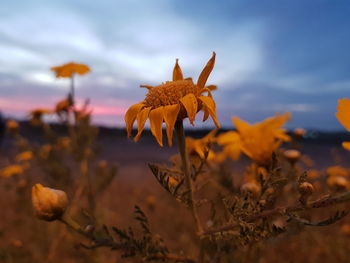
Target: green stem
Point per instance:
(72, 224)
(180, 134)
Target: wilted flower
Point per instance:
(24, 156)
(343, 116)
(171, 101)
(11, 170)
(69, 69)
(49, 204)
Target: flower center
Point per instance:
(169, 93)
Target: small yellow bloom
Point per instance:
(343, 116)
(299, 132)
(172, 101)
(48, 204)
(36, 116)
(231, 145)
(69, 69)
(337, 171)
(24, 156)
(12, 126)
(11, 170)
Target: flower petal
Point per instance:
(210, 106)
(190, 103)
(206, 72)
(177, 72)
(346, 145)
(343, 114)
(156, 117)
(141, 120)
(170, 117)
(240, 125)
(130, 116)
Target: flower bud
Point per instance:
(12, 126)
(292, 155)
(251, 187)
(299, 132)
(49, 204)
(306, 188)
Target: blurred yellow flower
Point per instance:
(200, 146)
(337, 171)
(63, 105)
(258, 141)
(24, 156)
(36, 116)
(69, 69)
(12, 126)
(343, 115)
(172, 101)
(48, 204)
(11, 170)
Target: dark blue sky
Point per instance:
(272, 56)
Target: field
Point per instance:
(24, 238)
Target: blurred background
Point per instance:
(272, 56)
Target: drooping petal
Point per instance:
(206, 113)
(170, 117)
(141, 120)
(346, 145)
(343, 114)
(190, 103)
(210, 106)
(206, 72)
(156, 117)
(177, 72)
(130, 116)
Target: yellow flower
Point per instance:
(12, 126)
(69, 69)
(36, 116)
(259, 140)
(343, 116)
(172, 101)
(24, 156)
(200, 146)
(11, 170)
(49, 204)
(337, 171)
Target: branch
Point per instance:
(322, 202)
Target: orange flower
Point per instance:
(69, 69)
(343, 116)
(257, 141)
(36, 116)
(173, 101)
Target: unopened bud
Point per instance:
(299, 132)
(12, 126)
(49, 204)
(306, 188)
(292, 155)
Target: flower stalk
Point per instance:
(180, 134)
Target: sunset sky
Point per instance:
(272, 56)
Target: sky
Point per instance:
(272, 56)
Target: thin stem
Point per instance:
(180, 134)
(72, 91)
